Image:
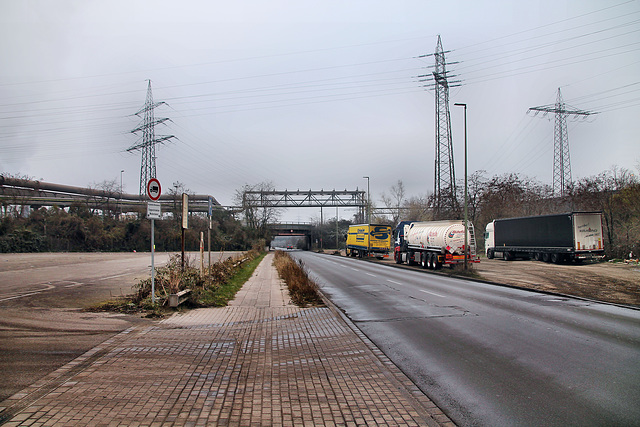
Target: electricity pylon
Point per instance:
(444, 190)
(149, 140)
(562, 181)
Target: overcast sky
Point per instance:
(312, 95)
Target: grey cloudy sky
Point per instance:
(312, 95)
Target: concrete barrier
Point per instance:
(177, 299)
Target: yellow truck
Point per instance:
(365, 240)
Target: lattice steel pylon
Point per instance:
(562, 181)
(147, 145)
(444, 190)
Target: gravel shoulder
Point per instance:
(617, 283)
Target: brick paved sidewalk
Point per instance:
(260, 361)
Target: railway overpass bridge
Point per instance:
(291, 235)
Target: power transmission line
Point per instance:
(561, 160)
(149, 140)
(444, 192)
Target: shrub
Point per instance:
(302, 289)
(172, 278)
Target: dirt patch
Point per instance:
(616, 283)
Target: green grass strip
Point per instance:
(221, 296)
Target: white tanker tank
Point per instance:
(433, 244)
(443, 235)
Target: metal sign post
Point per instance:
(153, 213)
(209, 232)
(185, 221)
(153, 269)
(202, 254)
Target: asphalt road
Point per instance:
(493, 355)
(42, 296)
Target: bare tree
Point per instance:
(476, 184)
(394, 200)
(614, 192)
(255, 207)
(176, 192)
(16, 203)
(417, 208)
(106, 204)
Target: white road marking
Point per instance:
(369, 274)
(47, 287)
(20, 296)
(73, 284)
(421, 290)
(432, 293)
(112, 277)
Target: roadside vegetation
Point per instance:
(215, 288)
(459, 271)
(98, 225)
(614, 192)
(303, 290)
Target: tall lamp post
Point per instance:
(121, 172)
(466, 243)
(368, 201)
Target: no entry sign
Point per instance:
(153, 189)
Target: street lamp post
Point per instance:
(121, 172)
(368, 201)
(466, 243)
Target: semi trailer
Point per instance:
(365, 240)
(567, 237)
(433, 244)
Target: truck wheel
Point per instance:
(507, 256)
(436, 264)
(490, 254)
(423, 260)
(546, 257)
(432, 262)
(397, 256)
(555, 258)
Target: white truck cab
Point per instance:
(489, 240)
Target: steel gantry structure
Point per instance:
(305, 199)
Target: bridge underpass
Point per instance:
(291, 235)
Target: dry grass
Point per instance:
(303, 290)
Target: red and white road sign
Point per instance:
(153, 189)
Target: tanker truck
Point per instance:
(433, 244)
(572, 236)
